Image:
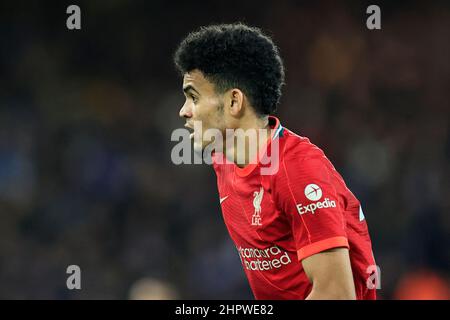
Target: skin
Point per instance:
(221, 111)
(329, 271)
(331, 275)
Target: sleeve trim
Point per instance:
(320, 246)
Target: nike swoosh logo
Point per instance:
(223, 199)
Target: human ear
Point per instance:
(236, 99)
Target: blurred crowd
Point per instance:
(86, 119)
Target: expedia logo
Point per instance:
(327, 203)
(313, 192)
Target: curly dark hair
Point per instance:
(235, 56)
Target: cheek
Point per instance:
(216, 112)
(198, 111)
(204, 112)
(208, 112)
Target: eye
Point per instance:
(194, 98)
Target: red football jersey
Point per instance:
(300, 209)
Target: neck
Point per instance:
(248, 140)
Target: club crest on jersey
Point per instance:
(256, 218)
(314, 193)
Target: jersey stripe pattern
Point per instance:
(288, 206)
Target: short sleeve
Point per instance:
(306, 192)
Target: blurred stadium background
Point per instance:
(85, 124)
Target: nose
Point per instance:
(185, 111)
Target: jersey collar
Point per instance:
(277, 129)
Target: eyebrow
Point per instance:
(190, 88)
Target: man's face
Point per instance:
(202, 104)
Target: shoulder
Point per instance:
(302, 164)
(301, 154)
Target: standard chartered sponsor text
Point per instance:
(263, 259)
